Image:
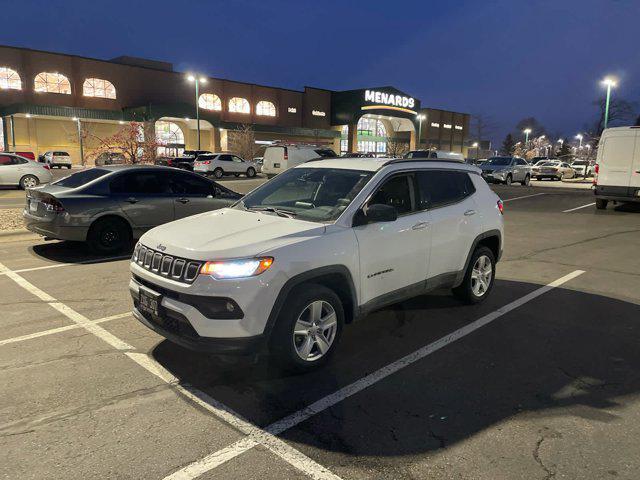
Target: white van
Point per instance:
(278, 158)
(618, 166)
(435, 155)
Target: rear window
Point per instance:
(61, 154)
(81, 178)
(326, 153)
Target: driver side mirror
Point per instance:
(378, 212)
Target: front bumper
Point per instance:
(494, 177)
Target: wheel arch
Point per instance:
(108, 216)
(491, 239)
(335, 277)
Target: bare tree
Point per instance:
(481, 126)
(621, 112)
(396, 145)
(242, 141)
(129, 140)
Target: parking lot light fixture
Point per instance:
(526, 132)
(197, 80)
(420, 119)
(608, 82)
(580, 137)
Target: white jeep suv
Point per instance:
(317, 247)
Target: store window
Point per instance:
(9, 79)
(239, 105)
(52, 83)
(266, 109)
(98, 87)
(371, 127)
(210, 101)
(169, 133)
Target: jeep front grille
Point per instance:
(178, 269)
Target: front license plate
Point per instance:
(276, 165)
(149, 302)
(33, 205)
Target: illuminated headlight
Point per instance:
(136, 249)
(240, 268)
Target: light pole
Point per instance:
(609, 83)
(420, 118)
(526, 132)
(79, 127)
(580, 137)
(197, 80)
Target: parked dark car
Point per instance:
(185, 163)
(108, 207)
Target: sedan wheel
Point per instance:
(218, 173)
(315, 330)
(28, 181)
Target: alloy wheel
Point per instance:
(315, 330)
(30, 182)
(481, 276)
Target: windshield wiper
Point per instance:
(278, 211)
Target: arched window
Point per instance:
(209, 101)
(9, 79)
(266, 109)
(169, 133)
(52, 83)
(98, 87)
(239, 105)
(371, 127)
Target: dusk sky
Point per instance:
(508, 59)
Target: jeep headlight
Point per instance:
(237, 268)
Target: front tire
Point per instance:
(218, 172)
(479, 277)
(251, 172)
(108, 236)
(28, 181)
(508, 181)
(601, 203)
(526, 181)
(308, 328)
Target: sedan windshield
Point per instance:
(313, 194)
(81, 178)
(498, 161)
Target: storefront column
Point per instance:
(352, 137)
(412, 140)
(215, 140)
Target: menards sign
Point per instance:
(388, 101)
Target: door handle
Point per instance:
(182, 200)
(420, 226)
(468, 213)
(132, 200)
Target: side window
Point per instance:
(6, 160)
(190, 185)
(397, 192)
(140, 183)
(521, 162)
(237, 159)
(224, 158)
(439, 188)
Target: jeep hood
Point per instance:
(228, 233)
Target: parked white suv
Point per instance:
(278, 158)
(319, 246)
(220, 164)
(57, 159)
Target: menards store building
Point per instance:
(49, 101)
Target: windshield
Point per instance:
(313, 194)
(80, 178)
(498, 161)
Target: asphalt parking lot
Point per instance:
(541, 381)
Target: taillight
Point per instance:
(597, 168)
(46, 166)
(595, 174)
(286, 153)
(501, 207)
(207, 162)
(52, 205)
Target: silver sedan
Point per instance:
(21, 172)
(110, 206)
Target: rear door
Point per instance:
(193, 194)
(455, 220)
(274, 159)
(237, 165)
(634, 178)
(616, 158)
(144, 197)
(10, 171)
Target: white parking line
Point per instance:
(217, 458)
(67, 311)
(578, 208)
(66, 328)
(520, 198)
(58, 265)
(254, 434)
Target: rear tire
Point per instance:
(526, 181)
(218, 172)
(508, 181)
(68, 167)
(601, 203)
(28, 181)
(251, 172)
(109, 235)
(479, 277)
(297, 315)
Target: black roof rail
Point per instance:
(393, 161)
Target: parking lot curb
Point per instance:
(9, 235)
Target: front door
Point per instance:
(394, 255)
(10, 170)
(144, 198)
(193, 194)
